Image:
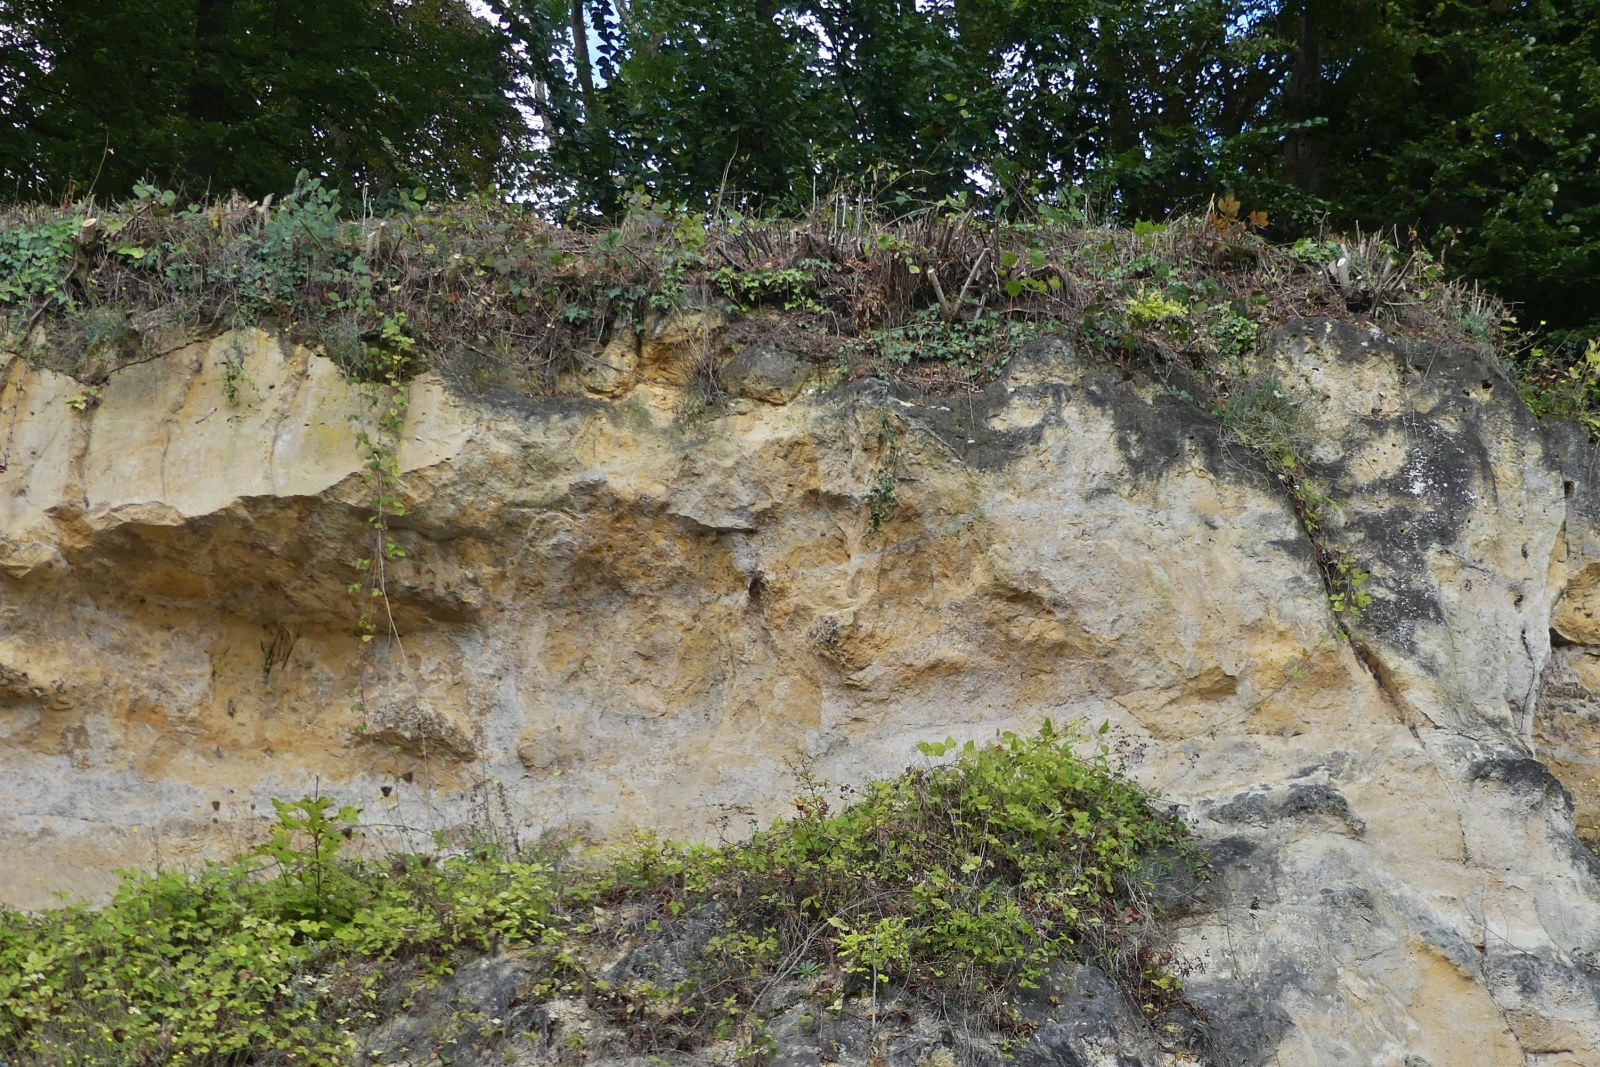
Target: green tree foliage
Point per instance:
(241, 94)
(688, 98)
(1472, 123)
(770, 99)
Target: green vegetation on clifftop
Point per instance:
(1470, 124)
(498, 298)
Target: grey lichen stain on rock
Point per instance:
(1262, 807)
(626, 615)
(1157, 430)
(1394, 521)
(1090, 1021)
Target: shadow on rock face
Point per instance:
(1086, 1021)
(1093, 1026)
(1522, 776)
(460, 1022)
(1242, 1026)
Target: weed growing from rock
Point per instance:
(1267, 416)
(379, 385)
(881, 496)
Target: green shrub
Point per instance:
(967, 878)
(993, 865)
(230, 963)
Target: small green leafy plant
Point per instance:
(791, 288)
(85, 400)
(233, 374)
(1023, 270)
(34, 260)
(312, 885)
(976, 348)
(1152, 307)
(273, 958)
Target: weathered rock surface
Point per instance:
(762, 372)
(466, 1016)
(627, 619)
(1089, 1024)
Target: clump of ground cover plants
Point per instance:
(960, 881)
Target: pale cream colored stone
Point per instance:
(613, 371)
(623, 617)
(30, 559)
(40, 438)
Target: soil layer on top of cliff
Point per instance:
(500, 300)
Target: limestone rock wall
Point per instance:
(614, 610)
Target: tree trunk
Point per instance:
(1302, 149)
(580, 59)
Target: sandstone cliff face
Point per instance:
(624, 616)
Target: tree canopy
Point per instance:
(1468, 125)
(227, 95)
